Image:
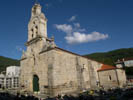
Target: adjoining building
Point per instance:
(10, 80)
(110, 76)
(13, 71)
(125, 62)
(50, 70)
(2, 80)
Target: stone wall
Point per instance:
(65, 73)
(108, 78)
(36, 66)
(59, 72)
(94, 66)
(121, 77)
(73, 73)
(62, 72)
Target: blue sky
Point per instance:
(81, 26)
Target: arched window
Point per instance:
(110, 77)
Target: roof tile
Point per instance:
(106, 67)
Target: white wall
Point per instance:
(128, 63)
(13, 71)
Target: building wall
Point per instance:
(59, 72)
(9, 82)
(121, 77)
(108, 78)
(13, 71)
(68, 72)
(72, 73)
(120, 65)
(36, 66)
(63, 72)
(93, 67)
(2, 80)
(128, 63)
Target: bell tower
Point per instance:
(37, 33)
(38, 23)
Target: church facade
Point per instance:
(50, 70)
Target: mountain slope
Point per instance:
(112, 56)
(5, 62)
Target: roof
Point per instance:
(106, 67)
(67, 51)
(75, 54)
(57, 48)
(126, 59)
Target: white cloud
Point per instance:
(73, 18)
(77, 28)
(77, 25)
(64, 27)
(81, 30)
(78, 37)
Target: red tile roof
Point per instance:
(106, 67)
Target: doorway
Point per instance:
(35, 83)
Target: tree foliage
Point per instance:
(112, 56)
(129, 70)
(5, 62)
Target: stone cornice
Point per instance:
(49, 49)
(38, 38)
(23, 59)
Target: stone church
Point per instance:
(50, 70)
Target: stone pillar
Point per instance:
(92, 75)
(50, 80)
(80, 77)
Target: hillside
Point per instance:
(107, 57)
(4, 62)
(112, 56)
